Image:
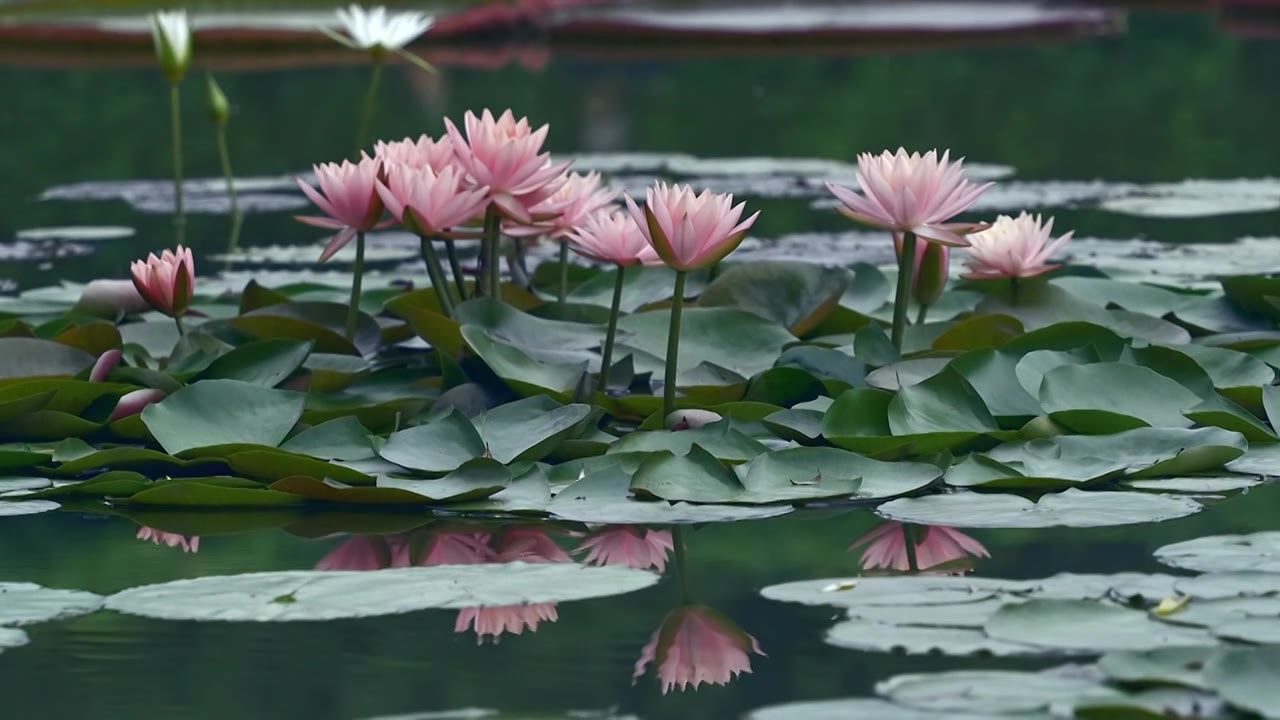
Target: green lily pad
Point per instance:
(869, 636)
(1217, 411)
(1087, 626)
(529, 429)
(905, 373)
(944, 403)
(27, 603)
(796, 295)
(218, 412)
(114, 483)
(32, 357)
(806, 473)
(10, 507)
(12, 638)
(524, 374)
(802, 426)
(144, 460)
(603, 496)
(321, 323)
(694, 476)
(1070, 508)
(197, 494)
(268, 465)
(994, 692)
(1166, 666)
(1248, 678)
(439, 447)
(979, 332)
(472, 480)
(988, 373)
(1259, 552)
(506, 324)
(718, 438)
(1110, 397)
(1261, 460)
(1198, 484)
(725, 337)
(265, 362)
(342, 438)
(302, 595)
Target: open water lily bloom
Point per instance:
(696, 645)
(425, 152)
(505, 155)
(376, 29)
(429, 203)
(912, 193)
(689, 231)
(349, 199)
(166, 282)
(610, 236)
(886, 547)
(569, 207)
(1013, 248)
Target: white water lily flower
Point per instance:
(172, 36)
(375, 29)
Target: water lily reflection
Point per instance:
(628, 546)
(694, 645)
(173, 540)
(890, 546)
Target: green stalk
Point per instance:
(370, 102)
(489, 270)
(681, 561)
(1013, 291)
(224, 155)
(562, 290)
(607, 360)
(177, 320)
(175, 122)
(673, 348)
(909, 538)
(436, 271)
(921, 314)
(353, 312)
(455, 266)
(906, 265)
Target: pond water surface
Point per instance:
(1168, 96)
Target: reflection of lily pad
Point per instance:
(860, 634)
(1088, 626)
(27, 603)
(1259, 552)
(25, 507)
(853, 708)
(310, 595)
(994, 692)
(1070, 508)
(1248, 678)
(12, 638)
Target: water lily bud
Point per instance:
(219, 107)
(134, 402)
(106, 362)
(691, 419)
(172, 37)
(931, 275)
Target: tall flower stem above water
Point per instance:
(455, 266)
(177, 320)
(681, 561)
(175, 122)
(436, 271)
(906, 268)
(673, 347)
(224, 155)
(911, 536)
(922, 313)
(370, 105)
(607, 359)
(357, 277)
(489, 270)
(1013, 291)
(562, 289)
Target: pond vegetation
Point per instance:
(530, 384)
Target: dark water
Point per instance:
(1170, 97)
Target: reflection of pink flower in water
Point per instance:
(160, 537)
(529, 545)
(886, 547)
(696, 645)
(495, 621)
(628, 546)
(362, 552)
(455, 548)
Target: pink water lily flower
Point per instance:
(505, 155)
(530, 545)
(928, 271)
(173, 540)
(348, 197)
(1013, 248)
(569, 207)
(886, 547)
(135, 402)
(457, 548)
(696, 645)
(493, 622)
(166, 282)
(610, 236)
(429, 203)
(628, 546)
(425, 152)
(912, 193)
(690, 231)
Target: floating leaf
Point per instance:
(11, 507)
(1248, 678)
(1259, 552)
(197, 494)
(32, 357)
(317, 595)
(28, 603)
(268, 465)
(719, 439)
(1110, 397)
(342, 438)
(980, 332)
(806, 473)
(603, 496)
(944, 403)
(321, 323)
(1173, 666)
(472, 480)
(219, 412)
(994, 692)
(1070, 508)
(732, 339)
(796, 295)
(265, 362)
(529, 429)
(439, 447)
(695, 476)
(1087, 626)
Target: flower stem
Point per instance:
(175, 121)
(562, 290)
(370, 103)
(681, 561)
(906, 262)
(607, 360)
(673, 348)
(436, 271)
(1013, 291)
(921, 314)
(909, 537)
(455, 266)
(357, 276)
(224, 155)
(177, 320)
(489, 270)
